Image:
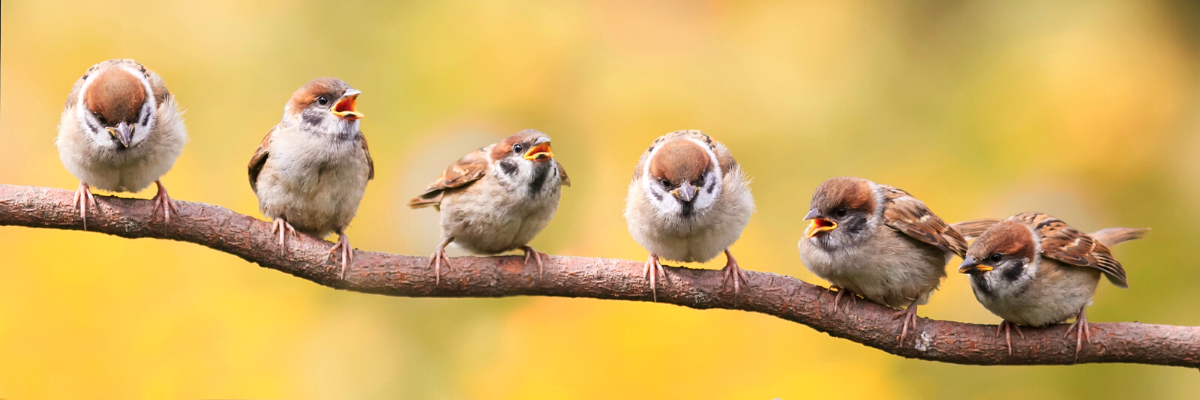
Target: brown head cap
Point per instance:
(679, 161)
(854, 194)
(115, 95)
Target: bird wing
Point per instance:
(562, 173)
(908, 215)
(462, 173)
(1063, 243)
(260, 158)
(362, 140)
(972, 229)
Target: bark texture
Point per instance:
(780, 296)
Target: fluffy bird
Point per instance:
(1035, 270)
(688, 201)
(311, 170)
(497, 198)
(879, 242)
(120, 131)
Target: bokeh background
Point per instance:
(1088, 110)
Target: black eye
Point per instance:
(323, 100)
(841, 212)
(664, 182)
(995, 257)
(517, 148)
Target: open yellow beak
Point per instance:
(970, 265)
(540, 152)
(345, 106)
(819, 225)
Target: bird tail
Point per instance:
(1113, 236)
(972, 229)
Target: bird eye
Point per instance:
(995, 257)
(323, 100)
(664, 182)
(841, 212)
(517, 148)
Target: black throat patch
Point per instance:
(541, 170)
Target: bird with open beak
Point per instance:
(312, 168)
(1035, 270)
(120, 131)
(688, 201)
(497, 198)
(881, 243)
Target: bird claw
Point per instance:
(163, 201)
(1006, 327)
(731, 271)
(83, 195)
(537, 257)
(281, 228)
(343, 246)
(1082, 330)
(838, 297)
(436, 259)
(651, 271)
(910, 317)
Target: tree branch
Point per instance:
(784, 297)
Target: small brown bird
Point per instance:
(879, 242)
(688, 201)
(497, 198)
(1035, 270)
(121, 130)
(312, 168)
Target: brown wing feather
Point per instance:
(909, 215)
(362, 140)
(258, 159)
(1063, 243)
(562, 173)
(460, 174)
(972, 229)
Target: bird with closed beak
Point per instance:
(879, 242)
(120, 131)
(312, 168)
(1035, 270)
(688, 201)
(497, 198)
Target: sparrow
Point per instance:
(497, 198)
(120, 131)
(879, 242)
(312, 168)
(1035, 270)
(688, 201)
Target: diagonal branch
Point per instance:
(784, 297)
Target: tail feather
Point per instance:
(1113, 236)
(972, 229)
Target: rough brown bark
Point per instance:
(784, 297)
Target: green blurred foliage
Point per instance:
(1088, 110)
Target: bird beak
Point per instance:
(686, 192)
(123, 132)
(818, 225)
(970, 265)
(345, 106)
(540, 151)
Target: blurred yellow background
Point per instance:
(1088, 110)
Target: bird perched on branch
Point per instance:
(1035, 270)
(879, 242)
(120, 131)
(497, 198)
(688, 201)
(311, 170)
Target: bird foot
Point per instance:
(840, 292)
(1006, 327)
(731, 272)
(651, 271)
(436, 259)
(163, 201)
(343, 247)
(1082, 330)
(282, 228)
(910, 318)
(83, 196)
(537, 257)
